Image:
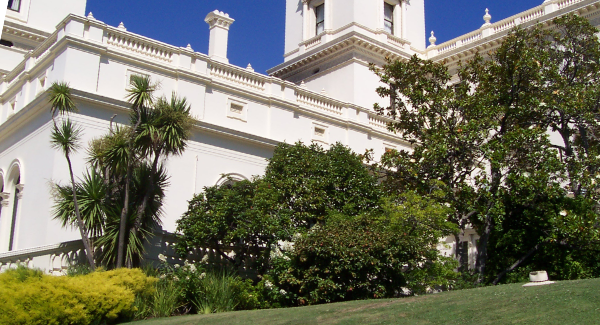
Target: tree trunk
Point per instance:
(149, 191)
(125, 210)
(82, 229)
(123, 220)
(482, 252)
(516, 264)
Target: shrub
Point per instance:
(164, 302)
(367, 256)
(30, 297)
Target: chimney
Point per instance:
(219, 23)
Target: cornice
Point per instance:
(352, 41)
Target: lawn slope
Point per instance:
(567, 302)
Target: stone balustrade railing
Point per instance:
(54, 259)
(321, 102)
(238, 76)
(139, 45)
(379, 121)
(505, 25)
(313, 41)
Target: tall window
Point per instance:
(14, 5)
(14, 215)
(320, 15)
(388, 17)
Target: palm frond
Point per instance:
(140, 92)
(65, 137)
(60, 98)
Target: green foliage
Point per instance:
(216, 293)
(237, 217)
(369, 256)
(125, 184)
(66, 137)
(302, 186)
(312, 182)
(60, 99)
(30, 297)
(483, 140)
(164, 302)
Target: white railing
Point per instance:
(397, 41)
(53, 258)
(238, 76)
(318, 101)
(566, 3)
(138, 45)
(532, 14)
(502, 26)
(378, 121)
(313, 41)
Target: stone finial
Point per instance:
(323, 92)
(189, 47)
(432, 39)
(487, 17)
(122, 26)
(302, 84)
(90, 16)
(249, 68)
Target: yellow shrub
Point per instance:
(29, 297)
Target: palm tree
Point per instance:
(66, 138)
(141, 97)
(162, 132)
(101, 205)
(60, 100)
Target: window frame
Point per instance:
(11, 5)
(392, 7)
(319, 23)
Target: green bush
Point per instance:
(105, 297)
(367, 257)
(164, 302)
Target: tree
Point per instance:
(66, 138)
(485, 133)
(123, 189)
(312, 182)
(302, 186)
(140, 96)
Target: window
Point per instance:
(388, 17)
(320, 15)
(237, 110)
(320, 133)
(16, 198)
(14, 5)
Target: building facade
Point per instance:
(240, 115)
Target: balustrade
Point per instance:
(317, 101)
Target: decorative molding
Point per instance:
(218, 19)
(4, 196)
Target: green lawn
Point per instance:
(567, 302)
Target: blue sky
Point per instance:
(257, 35)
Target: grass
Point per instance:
(566, 302)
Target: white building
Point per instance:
(240, 115)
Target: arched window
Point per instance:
(230, 179)
(13, 222)
(11, 202)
